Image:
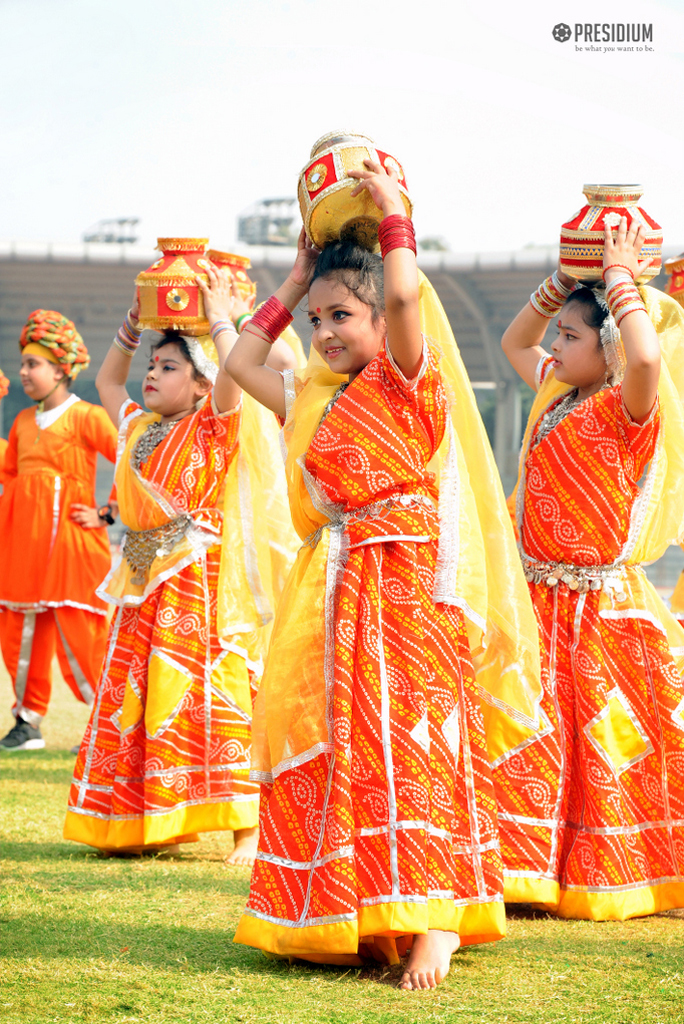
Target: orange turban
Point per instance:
(59, 337)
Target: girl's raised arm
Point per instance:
(521, 341)
(621, 268)
(247, 359)
(218, 299)
(113, 374)
(400, 269)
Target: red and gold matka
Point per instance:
(674, 268)
(328, 210)
(582, 237)
(168, 293)
(238, 267)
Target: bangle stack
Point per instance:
(241, 321)
(220, 326)
(272, 318)
(623, 297)
(396, 232)
(613, 266)
(550, 296)
(128, 336)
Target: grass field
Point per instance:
(90, 939)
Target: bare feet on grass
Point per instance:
(429, 960)
(245, 848)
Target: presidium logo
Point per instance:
(625, 36)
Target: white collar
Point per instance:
(50, 416)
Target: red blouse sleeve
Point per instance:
(639, 439)
(225, 426)
(424, 394)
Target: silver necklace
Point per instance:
(338, 394)
(555, 415)
(151, 437)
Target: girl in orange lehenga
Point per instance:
(592, 812)
(166, 752)
(378, 822)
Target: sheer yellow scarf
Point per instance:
(478, 570)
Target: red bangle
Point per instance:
(396, 232)
(272, 318)
(613, 267)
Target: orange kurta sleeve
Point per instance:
(49, 560)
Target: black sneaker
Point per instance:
(22, 736)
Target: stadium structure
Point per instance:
(92, 283)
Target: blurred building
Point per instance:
(270, 222)
(93, 285)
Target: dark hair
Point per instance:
(592, 311)
(177, 339)
(357, 269)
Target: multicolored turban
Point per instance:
(53, 337)
(4, 385)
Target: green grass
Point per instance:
(90, 939)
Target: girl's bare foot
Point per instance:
(429, 960)
(245, 847)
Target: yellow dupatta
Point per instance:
(478, 569)
(259, 544)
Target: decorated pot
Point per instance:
(238, 266)
(168, 292)
(328, 210)
(674, 268)
(582, 237)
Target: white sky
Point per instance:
(184, 112)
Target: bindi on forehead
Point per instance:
(318, 309)
(156, 359)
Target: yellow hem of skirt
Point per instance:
(545, 894)
(179, 826)
(339, 943)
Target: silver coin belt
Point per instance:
(581, 578)
(376, 510)
(141, 547)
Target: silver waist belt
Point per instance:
(374, 510)
(141, 547)
(581, 578)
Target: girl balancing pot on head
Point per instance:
(378, 826)
(51, 560)
(166, 753)
(592, 811)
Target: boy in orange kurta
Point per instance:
(50, 563)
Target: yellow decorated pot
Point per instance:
(674, 268)
(328, 210)
(238, 267)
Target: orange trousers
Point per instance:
(29, 641)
